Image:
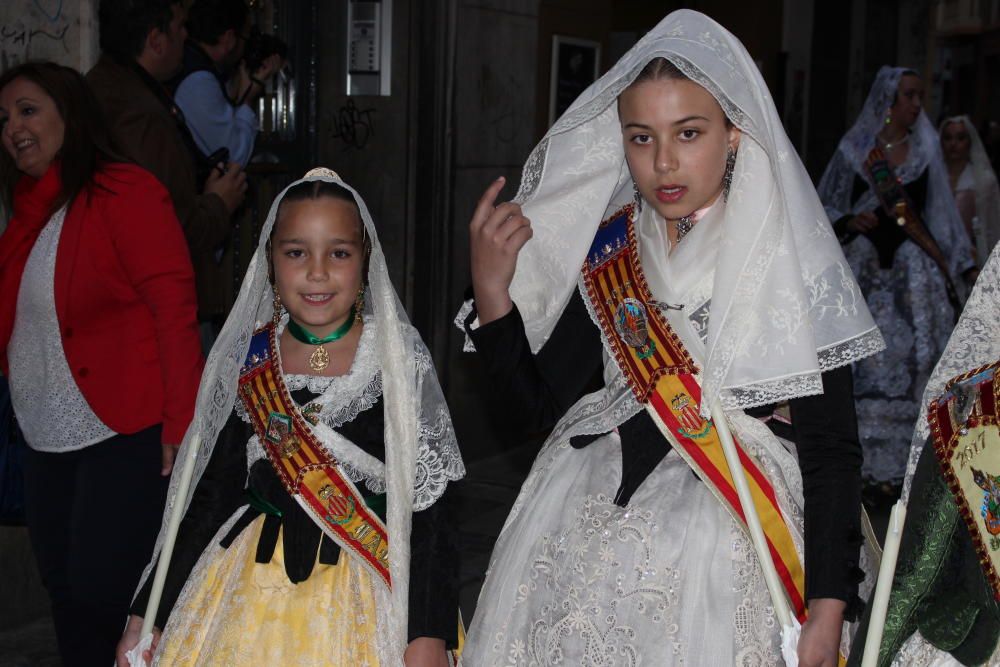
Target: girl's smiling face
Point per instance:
(317, 251)
(676, 137)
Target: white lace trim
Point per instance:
(54, 414)
(438, 458)
(975, 342)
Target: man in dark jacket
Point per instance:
(142, 44)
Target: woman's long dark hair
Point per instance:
(86, 141)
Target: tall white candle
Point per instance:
(886, 572)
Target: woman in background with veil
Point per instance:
(886, 192)
(973, 183)
(709, 272)
(318, 530)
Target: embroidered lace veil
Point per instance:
(785, 305)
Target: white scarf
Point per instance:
(785, 305)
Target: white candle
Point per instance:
(886, 572)
(173, 524)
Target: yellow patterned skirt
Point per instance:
(235, 611)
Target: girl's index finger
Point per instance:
(487, 201)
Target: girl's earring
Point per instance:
(727, 177)
(359, 304)
(637, 197)
(888, 119)
(276, 318)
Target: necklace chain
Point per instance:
(889, 145)
(320, 358)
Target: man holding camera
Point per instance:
(217, 88)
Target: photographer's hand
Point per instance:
(250, 86)
(269, 67)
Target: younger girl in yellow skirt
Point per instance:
(318, 531)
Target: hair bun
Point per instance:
(322, 172)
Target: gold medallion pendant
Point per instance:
(319, 359)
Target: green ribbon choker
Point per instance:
(303, 336)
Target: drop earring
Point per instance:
(727, 177)
(637, 197)
(276, 317)
(359, 304)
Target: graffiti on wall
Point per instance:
(45, 30)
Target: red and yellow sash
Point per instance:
(662, 375)
(308, 472)
(897, 205)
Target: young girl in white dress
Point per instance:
(667, 239)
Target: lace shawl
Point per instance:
(975, 342)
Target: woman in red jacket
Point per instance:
(99, 340)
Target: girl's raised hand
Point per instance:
(496, 236)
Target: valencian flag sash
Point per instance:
(305, 468)
(897, 206)
(964, 431)
(662, 376)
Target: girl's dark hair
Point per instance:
(86, 141)
(310, 190)
(314, 190)
(660, 68)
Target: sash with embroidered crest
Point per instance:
(662, 376)
(965, 431)
(305, 468)
(897, 206)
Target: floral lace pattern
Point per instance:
(975, 342)
(53, 412)
(587, 581)
(234, 611)
(438, 459)
(888, 387)
(755, 628)
(583, 581)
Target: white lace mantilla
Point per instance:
(342, 398)
(974, 343)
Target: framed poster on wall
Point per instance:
(575, 65)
